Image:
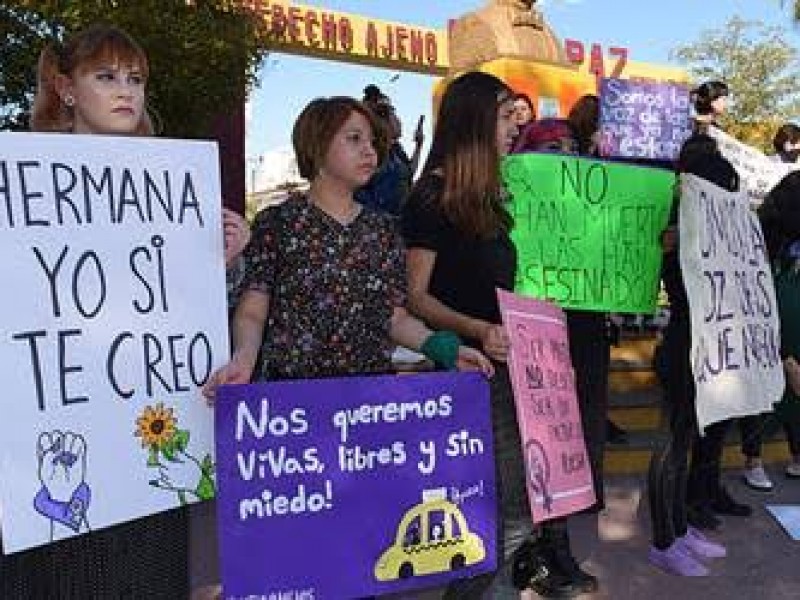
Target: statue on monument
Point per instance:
(503, 29)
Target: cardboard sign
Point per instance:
(558, 467)
(114, 314)
(735, 351)
(388, 481)
(640, 119)
(587, 232)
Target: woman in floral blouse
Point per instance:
(325, 285)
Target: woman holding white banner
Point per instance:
(706, 496)
(710, 100)
(95, 84)
(678, 547)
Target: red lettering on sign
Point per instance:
(312, 24)
(293, 23)
(278, 20)
(372, 40)
(387, 50)
(597, 64)
(402, 38)
(329, 31)
(575, 52)
(417, 46)
(622, 60)
(346, 34)
(431, 49)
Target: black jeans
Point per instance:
(752, 430)
(590, 351)
(706, 467)
(514, 522)
(668, 472)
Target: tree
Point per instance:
(20, 35)
(759, 65)
(203, 54)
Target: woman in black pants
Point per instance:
(705, 494)
(456, 227)
(678, 547)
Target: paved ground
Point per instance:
(763, 563)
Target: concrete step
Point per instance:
(631, 366)
(634, 456)
(637, 409)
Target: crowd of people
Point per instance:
(391, 257)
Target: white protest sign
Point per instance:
(114, 314)
(758, 172)
(735, 352)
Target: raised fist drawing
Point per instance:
(64, 496)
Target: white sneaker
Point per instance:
(757, 478)
(793, 470)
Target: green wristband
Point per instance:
(442, 348)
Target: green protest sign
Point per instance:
(587, 232)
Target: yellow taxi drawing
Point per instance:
(432, 537)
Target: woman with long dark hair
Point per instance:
(456, 226)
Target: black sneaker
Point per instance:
(533, 569)
(723, 504)
(584, 582)
(701, 516)
(556, 546)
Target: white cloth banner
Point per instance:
(735, 350)
(758, 172)
(115, 314)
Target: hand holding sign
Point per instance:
(470, 359)
(495, 342)
(238, 370)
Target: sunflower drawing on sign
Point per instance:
(176, 469)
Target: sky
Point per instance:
(650, 30)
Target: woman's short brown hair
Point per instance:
(317, 125)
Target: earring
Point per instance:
(69, 100)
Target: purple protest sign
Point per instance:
(642, 119)
(353, 487)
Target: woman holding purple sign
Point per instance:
(456, 226)
(325, 280)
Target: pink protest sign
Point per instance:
(559, 473)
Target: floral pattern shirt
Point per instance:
(332, 289)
